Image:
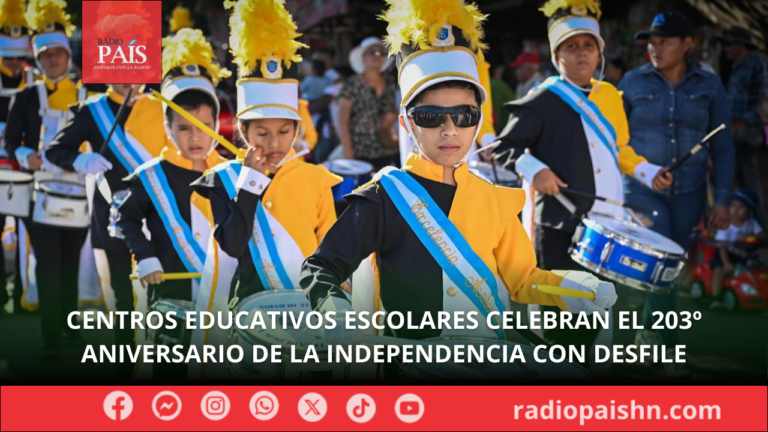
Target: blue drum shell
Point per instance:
(348, 184)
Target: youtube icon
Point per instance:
(409, 408)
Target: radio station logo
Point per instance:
(122, 42)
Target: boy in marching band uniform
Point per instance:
(442, 237)
(138, 137)
(37, 115)
(160, 191)
(575, 129)
(270, 209)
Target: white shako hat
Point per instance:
(50, 24)
(434, 41)
(263, 43)
(14, 29)
(569, 18)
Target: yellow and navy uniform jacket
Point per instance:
(299, 197)
(554, 134)
(143, 121)
(409, 279)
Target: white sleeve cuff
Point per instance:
(252, 181)
(148, 266)
(22, 156)
(527, 166)
(645, 172)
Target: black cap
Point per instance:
(738, 35)
(669, 24)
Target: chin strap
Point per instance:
(569, 81)
(418, 146)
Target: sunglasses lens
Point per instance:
(466, 117)
(428, 119)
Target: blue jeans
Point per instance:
(677, 216)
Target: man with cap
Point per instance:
(160, 194)
(571, 131)
(671, 104)
(435, 236)
(747, 86)
(37, 115)
(526, 67)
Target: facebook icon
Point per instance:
(118, 405)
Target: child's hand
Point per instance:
(255, 159)
(662, 180)
(154, 278)
(547, 183)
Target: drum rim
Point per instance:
(632, 244)
(9, 182)
(248, 337)
(416, 366)
(474, 165)
(616, 277)
(327, 164)
(39, 188)
(166, 300)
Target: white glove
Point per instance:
(605, 292)
(22, 156)
(339, 335)
(91, 163)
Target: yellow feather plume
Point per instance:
(181, 18)
(553, 6)
(261, 29)
(411, 21)
(189, 46)
(41, 13)
(12, 14)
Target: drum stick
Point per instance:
(174, 276)
(608, 200)
(566, 203)
(703, 143)
(568, 292)
(101, 182)
(485, 147)
(208, 131)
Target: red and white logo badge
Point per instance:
(122, 42)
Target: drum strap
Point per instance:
(266, 258)
(444, 242)
(588, 111)
(129, 156)
(156, 184)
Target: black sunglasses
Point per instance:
(430, 116)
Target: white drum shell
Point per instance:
(15, 193)
(60, 209)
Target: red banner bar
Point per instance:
(382, 408)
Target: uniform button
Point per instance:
(671, 124)
(268, 204)
(197, 236)
(253, 183)
(592, 144)
(673, 140)
(194, 199)
(598, 171)
(452, 291)
(273, 233)
(642, 175)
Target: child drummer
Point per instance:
(159, 191)
(271, 209)
(440, 235)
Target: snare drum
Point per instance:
(627, 253)
(355, 173)
(505, 177)
(114, 214)
(178, 312)
(530, 369)
(280, 300)
(61, 203)
(15, 193)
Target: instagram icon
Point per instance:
(215, 405)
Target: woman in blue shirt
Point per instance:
(671, 105)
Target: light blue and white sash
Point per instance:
(444, 242)
(588, 111)
(124, 149)
(156, 184)
(264, 253)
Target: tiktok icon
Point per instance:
(361, 408)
